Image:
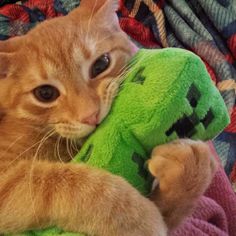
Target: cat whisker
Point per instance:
(90, 21)
(76, 145)
(58, 152)
(105, 38)
(123, 73)
(55, 149)
(73, 144)
(58, 149)
(11, 145)
(130, 69)
(73, 150)
(68, 149)
(42, 141)
(25, 151)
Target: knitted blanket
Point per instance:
(206, 27)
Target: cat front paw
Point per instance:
(183, 166)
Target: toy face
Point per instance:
(187, 126)
(167, 95)
(170, 95)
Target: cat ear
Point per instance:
(98, 11)
(7, 50)
(106, 14)
(100, 5)
(5, 62)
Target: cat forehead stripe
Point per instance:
(83, 51)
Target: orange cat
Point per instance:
(56, 84)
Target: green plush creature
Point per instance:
(167, 94)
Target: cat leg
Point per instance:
(183, 169)
(74, 197)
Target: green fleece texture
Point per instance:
(166, 94)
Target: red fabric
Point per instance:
(15, 12)
(210, 71)
(232, 126)
(139, 32)
(232, 44)
(47, 7)
(233, 175)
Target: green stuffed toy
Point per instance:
(167, 94)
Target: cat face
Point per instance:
(64, 73)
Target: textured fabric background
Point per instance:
(207, 28)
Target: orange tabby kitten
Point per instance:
(56, 84)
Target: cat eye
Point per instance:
(100, 65)
(46, 93)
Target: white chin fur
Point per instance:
(74, 132)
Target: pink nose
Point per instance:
(91, 119)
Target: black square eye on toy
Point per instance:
(185, 126)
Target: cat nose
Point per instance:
(91, 119)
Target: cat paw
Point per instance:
(183, 166)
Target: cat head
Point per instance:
(64, 73)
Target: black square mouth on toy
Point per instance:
(185, 127)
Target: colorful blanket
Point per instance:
(206, 27)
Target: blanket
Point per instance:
(215, 213)
(207, 28)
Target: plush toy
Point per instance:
(166, 94)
